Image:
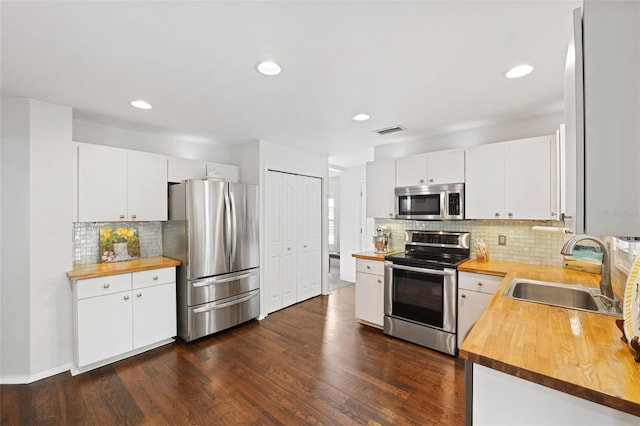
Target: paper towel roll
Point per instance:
(552, 229)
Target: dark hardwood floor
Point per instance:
(308, 364)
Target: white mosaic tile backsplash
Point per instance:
(523, 244)
(86, 240)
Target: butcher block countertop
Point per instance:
(576, 352)
(94, 270)
(372, 255)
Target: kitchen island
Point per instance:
(531, 363)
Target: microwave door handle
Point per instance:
(446, 272)
(444, 207)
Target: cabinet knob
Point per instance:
(139, 295)
(431, 180)
(553, 214)
(155, 278)
(497, 214)
(133, 216)
(379, 281)
(305, 246)
(121, 216)
(479, 284)
(510, 214)
(464, 296)
(105, 285)
(421, 180)
(390, 214)
(126, 298)
(289, 248)
(368, 267)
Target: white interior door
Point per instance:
(309, 237)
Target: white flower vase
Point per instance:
(120, 250)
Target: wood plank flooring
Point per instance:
(311, 363)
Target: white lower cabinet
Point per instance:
(370, 292)
(474, 293)
(116, 316)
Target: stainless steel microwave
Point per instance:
(430, 202)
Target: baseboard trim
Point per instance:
(24, 379)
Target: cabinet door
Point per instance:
(381, 183)
(309, 231)
(102, 183)
(147, 186)
(484, 189)
(370, 298)
(470, 306)
(445, 167)
(229, 172)
(154, 314)
(104, 327)
(528, 178)
(411, 171)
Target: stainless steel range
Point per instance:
(420, 288)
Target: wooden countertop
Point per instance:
(93, 270)
(372, 255)
(576, 352)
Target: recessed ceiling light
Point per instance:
(519, 71)
(141, 104)
(361, 117)
(269, 68)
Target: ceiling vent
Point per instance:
(388, 130)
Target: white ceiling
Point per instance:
(430, 66)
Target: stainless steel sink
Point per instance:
(557, 294)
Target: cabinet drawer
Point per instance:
(479, 282)
(101, 286)
(370, 266)
(153, 277)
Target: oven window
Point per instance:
(419, 205)
(418, 297)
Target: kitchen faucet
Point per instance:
(606, 289)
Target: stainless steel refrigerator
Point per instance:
(213, 231)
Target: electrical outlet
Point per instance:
(502, 240)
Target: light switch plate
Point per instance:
(502, 240)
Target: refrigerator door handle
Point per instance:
(211, 307)
(214, 280)
(228, 231)
(234, 227)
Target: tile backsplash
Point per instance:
(523, 244)
(86, 241)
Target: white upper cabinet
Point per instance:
(445, 167)
(116, 184)
(512, 180)
(611, 46)
(381, 183)
(411, 171)
(484, 188)
(430, 169)
(528, 190)
(146, 186)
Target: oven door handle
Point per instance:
(446, 272)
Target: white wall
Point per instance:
(350, 184)
(15, 274)
(159, 143)
(36, 244)
(247, 157)
(520, 129)
(50, 228)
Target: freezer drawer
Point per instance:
(217, 316)
(210, 289)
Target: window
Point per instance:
(624, 252)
